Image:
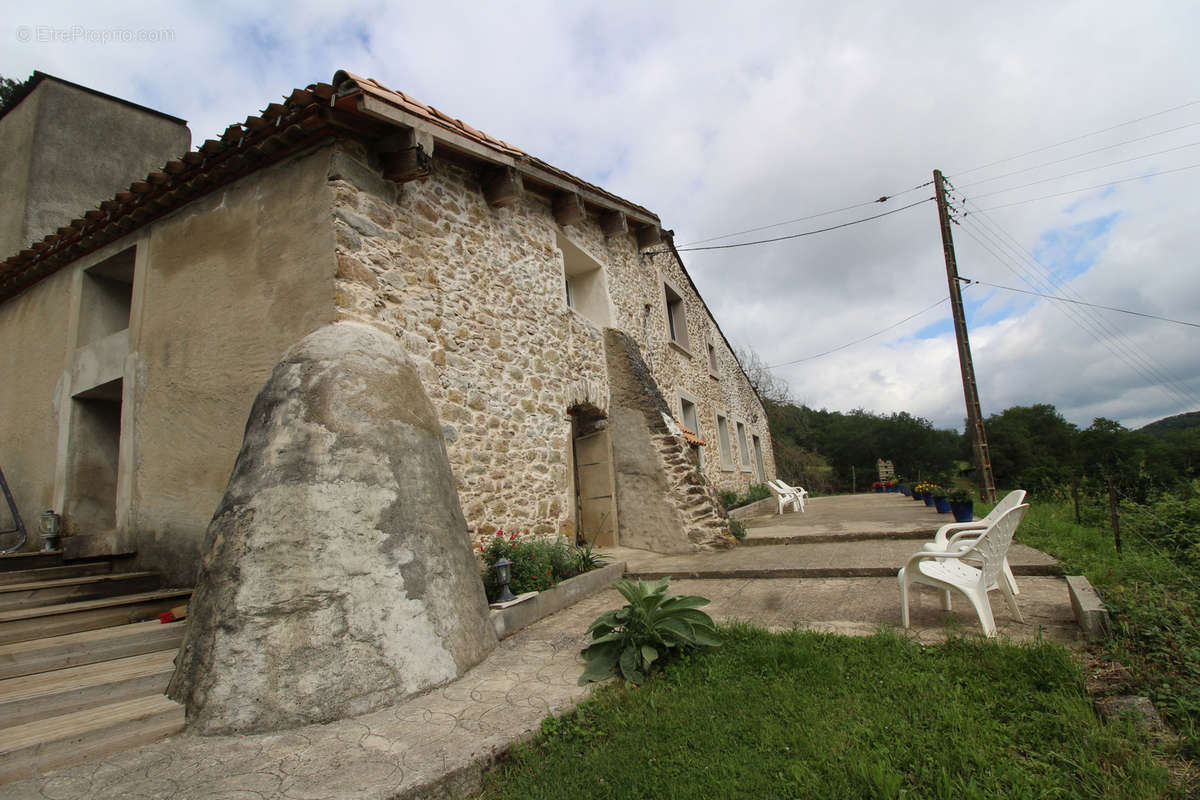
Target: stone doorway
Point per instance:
(595, 501)
(93, 457)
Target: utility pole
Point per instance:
(983, 461)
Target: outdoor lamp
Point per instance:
(503, 569)
(49, 524)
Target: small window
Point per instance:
(585, 285)
(712, 361)
(691, 420)
(743, 446)
(676, 316)
(724, 443)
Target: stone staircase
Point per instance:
(84, 661)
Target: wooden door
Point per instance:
(594, 489)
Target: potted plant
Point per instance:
(962, 505)
(877, 486)
(932, 490)
(940, 502)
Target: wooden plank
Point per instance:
(23, 624)
(33, 697)
(69, 590)
(36, 747)
(88, 647)
(53, 573)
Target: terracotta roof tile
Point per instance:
(688, 434)
(272, 134)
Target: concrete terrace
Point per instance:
(831, 569)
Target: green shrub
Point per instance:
(633, 639)
(537, 564)
(756, 492)
(737, 529)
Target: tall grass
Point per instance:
(1152, 590)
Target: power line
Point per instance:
(1091, 323)
(796, 235)
(1082, 171)
(960, 173)
(863, 339)
(1079, 155)
(1082, 303)
(1090, 188)
(881, 199)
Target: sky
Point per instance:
(724, 117)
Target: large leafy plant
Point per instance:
(633, 639)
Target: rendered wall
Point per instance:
(34, 334)
(230, 282)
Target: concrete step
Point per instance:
(74, 589)
(88, 647)
(47, 694)
(54, 573)
(757, 539)
(23, 624)
(30, 560)
(36, 747)
(652, 573)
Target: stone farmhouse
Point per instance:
(581, 384)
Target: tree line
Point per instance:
(1032, 447)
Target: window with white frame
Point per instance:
(691, 420)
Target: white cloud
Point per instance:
(722, 118)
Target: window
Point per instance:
(743, 447)
(724, 443)
(586, 290)
(712, 361)
(758, 459)
(676, 316)
(691, 421)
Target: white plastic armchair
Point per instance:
(960, 534)
(787, 494)
(948, 570)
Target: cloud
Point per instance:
(724, 118)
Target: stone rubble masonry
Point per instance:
(476, 295)
(337, 575)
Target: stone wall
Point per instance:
(477, 295)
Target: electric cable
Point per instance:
(1089, 188)
(880, 199)
(1078, 155)
(1111, 339)
(1118, 348)
(1082, 171)
(1138, 356)
(863, 339)
(960, 173)
(795, 235)
(1082, 303)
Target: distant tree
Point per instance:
(1032, 448)
(770, 387)
(12, 92)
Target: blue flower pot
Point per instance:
(963, 512)
(942, 504)
(927, 497)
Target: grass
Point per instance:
(804, 714)
(1154, 600)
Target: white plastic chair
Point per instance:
(787, 494)
(948, 570)
(960, 534)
